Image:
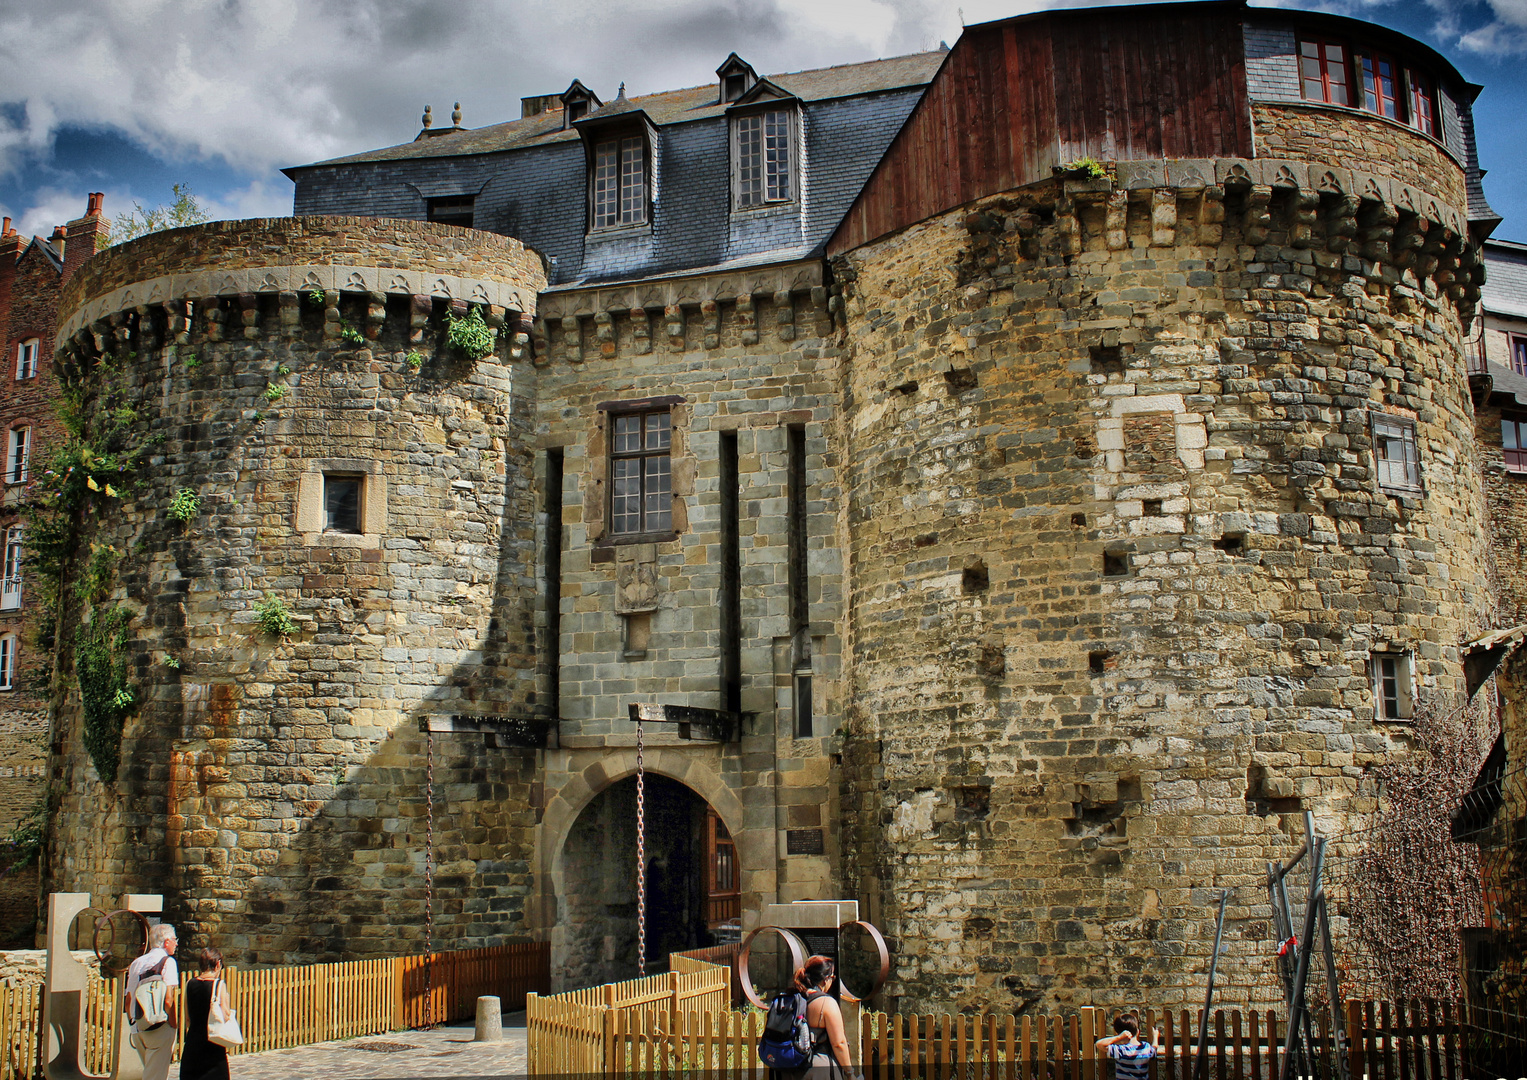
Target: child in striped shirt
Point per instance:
(1131, 1054)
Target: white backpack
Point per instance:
(148, 998)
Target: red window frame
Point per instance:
(1513, 439)
(723, 887)
(1423, 104)
(1330, 74)
(1382, 92)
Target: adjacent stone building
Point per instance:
(32, 273)
(1044, 470)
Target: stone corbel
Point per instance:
(213, 309)
(1211, 215)
(419, 311)
(572, 338)
(823, 311)
(710, 318)
(376, 315)
(784, 315)
(1258, 222)
(641, 330)
(1306, 205)
(673, 325)
(604, 333)
(1116, 220)
(1163, 217)
(1068, 227)
(747, 320)
(249, 315)
(1341, 222)
(331, 320)
(290, 306)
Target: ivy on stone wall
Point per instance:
(471, 334)
(78, 487)
(106, 697)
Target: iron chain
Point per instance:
(641, 859)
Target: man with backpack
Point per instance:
(153, 983)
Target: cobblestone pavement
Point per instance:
(447, 1051)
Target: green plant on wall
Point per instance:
(192, 362)
(1088, 167)
(274, 617)
(274, 391)
(470, 334)
(186, 505)
(22, 846)
(414, 360)
(106, 697)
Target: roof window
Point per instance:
(736, 76)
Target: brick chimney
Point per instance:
(57, 240)
(10, 251)
(84, 234)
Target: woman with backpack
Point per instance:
(829, 1045)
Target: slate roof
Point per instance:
(1505, 288)
(669, 107)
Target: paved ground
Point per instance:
(443, 1052)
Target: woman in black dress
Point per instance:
(199, 1058)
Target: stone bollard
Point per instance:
(490, 1022)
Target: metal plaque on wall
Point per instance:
(804, 842)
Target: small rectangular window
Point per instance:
(8, 649)
(1323, 71)
(641, 489)
(1423, 104)
(1519, 355)
(342, 503)
(26, 359)
(1395, 453)
(1381, 85)
(18, 460)
(763, 158)
(1393, 692)
(620, 182)
(10, 585)
(1513, 441)
(453, 210)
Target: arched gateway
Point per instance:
(700, 863)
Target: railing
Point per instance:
(716, 954)
(296, 1006)
(580, 1031)
(1386, 1042)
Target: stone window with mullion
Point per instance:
(763, 158)
(618, 184)
(641, 473)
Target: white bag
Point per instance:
(222, 1030)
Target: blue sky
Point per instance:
(131, 96)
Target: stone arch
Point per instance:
(755, 855)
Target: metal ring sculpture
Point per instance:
(885, 960)
(104, 922)
(797, 960)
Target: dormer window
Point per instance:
(737, 78)
(578, 101)
(763, 157)
(452, 210)
(618, 187)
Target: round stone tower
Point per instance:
(307, 532)
(1165, 527)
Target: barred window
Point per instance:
(641, 488)
(620, 182)
(761, 144)
(1395, 453)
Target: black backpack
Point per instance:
(786, 1039)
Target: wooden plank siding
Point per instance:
(1016, 98)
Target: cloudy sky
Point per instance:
(131, 96)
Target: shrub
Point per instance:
(415, 359)
(100, 662)
(471, 335)
(186, 505)
(274, 391)
(274, 617)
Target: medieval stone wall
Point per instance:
(1120, 560)
(275, 789)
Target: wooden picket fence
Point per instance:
(578, 1034)
(574, 1032)
(296, 1006)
